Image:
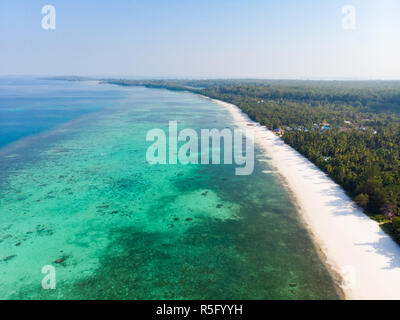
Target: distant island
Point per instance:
(68, 78)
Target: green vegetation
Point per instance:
(349, 129)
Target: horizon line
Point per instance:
(160, 77)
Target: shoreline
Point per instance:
(351, 244)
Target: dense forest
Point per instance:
(349, 129)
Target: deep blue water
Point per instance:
(29, 106)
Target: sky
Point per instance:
(290, 39)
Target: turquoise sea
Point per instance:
(75, 188)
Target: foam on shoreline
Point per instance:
(365, 257)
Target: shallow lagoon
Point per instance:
(84, 193)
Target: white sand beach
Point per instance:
(365, 257)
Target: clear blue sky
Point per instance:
(208, 38)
